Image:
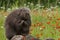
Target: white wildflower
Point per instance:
(24, 4)
(5, 16)
(32, 4)
(1, 26)
(28, 2)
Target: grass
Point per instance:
(45, 24)
(2, 32)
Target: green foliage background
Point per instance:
(11, 3)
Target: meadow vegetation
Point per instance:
(45, 19)
(45, 23)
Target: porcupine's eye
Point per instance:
(24, 19)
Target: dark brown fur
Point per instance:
(18, 23)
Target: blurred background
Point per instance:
(45, 16)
